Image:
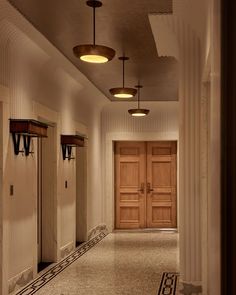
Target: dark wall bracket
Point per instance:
(69, 141)
(26, 129)
(67, 152)
(26, 141)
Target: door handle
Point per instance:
(142, 188)
(149, 189)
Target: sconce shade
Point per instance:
(28, 127)
(72, 140)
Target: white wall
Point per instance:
(94, 169)
(39, 82)
(36, 86)
(214, 193)
(192, 35)
(117, 124)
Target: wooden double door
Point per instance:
(145, 184)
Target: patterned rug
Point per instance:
(168, 283)
(40, 281)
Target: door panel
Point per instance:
(130, 160)
(161, 184)
(146, 184)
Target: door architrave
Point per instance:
(52, 222)
(4, 212)
(46, 115)
(109, 159)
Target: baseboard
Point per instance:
(67, 249)
(191, 288)
(20, 280)
(97, 230)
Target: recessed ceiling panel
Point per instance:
(120, 24)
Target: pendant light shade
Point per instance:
(123, 92)
(94, 53)
(138, 112)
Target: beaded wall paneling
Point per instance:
(192, 33)
(163, 118)
(36, 74)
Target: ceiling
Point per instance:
(120, 24)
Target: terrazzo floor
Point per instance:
(123, 263)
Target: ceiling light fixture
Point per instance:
(93, 53)
(138, 112)
(123, 92)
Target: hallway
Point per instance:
(124, 263)
(97, 144)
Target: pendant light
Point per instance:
(123, 92)
(138, 112)
(94, 53)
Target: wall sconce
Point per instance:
(26, 129)
(69, 141)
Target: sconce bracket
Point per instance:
(27, 129)
(67, 152)
(69, 141)
(16, 137)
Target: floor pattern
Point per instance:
(168, 283)
(40, 281)
(122, 263)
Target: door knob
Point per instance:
(149, 189)
(142, 188)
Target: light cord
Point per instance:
(138, 98)
(94, 26)
(123, 73)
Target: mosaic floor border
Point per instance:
(168, 283)
(40, 281)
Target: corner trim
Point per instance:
(101, 228)
(189, 288)
(20, 280)
(67, 249)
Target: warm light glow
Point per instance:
(98, 59)
(139, 115)
(138, 112)
(123, 95)
(94, 53)
(123, 92)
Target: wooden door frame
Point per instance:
(109, 188)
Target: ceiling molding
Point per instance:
(164, 35)
(19, 31)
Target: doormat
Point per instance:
(42, 280)
(168, 283)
